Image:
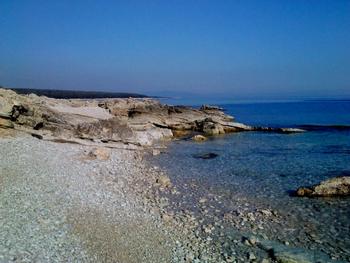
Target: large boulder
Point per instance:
(111, 129)
(338, 186)
(211, 128)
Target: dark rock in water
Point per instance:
(205, 156)
(338, 186)
(210, 107)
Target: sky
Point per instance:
(231, 49)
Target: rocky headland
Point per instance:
(127, 122)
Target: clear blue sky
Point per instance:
(240, 49)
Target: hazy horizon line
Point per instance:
(179, 95)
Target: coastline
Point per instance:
(61, 204)
(82, 180)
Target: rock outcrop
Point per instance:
(129, 121)
(212, 128)
(337, 186)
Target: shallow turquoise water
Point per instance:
(266, 167)
(277, 163)
(263, 163)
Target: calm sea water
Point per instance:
(267, 167)
(278, 162)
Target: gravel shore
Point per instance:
(61, 202)
(57, 205)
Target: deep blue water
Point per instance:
(267, 167)
(292, 113)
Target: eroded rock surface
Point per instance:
(141, 122)
(128, 121)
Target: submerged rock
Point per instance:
(338, 186)
(199, 138)
(163, 181)
(205, 156)
(286, 254)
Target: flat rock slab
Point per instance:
(88, 111)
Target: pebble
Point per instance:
(202, 200)
(251, 256)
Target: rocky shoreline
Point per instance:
(114, 122)
(76, 187)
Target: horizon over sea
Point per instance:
(265, 168)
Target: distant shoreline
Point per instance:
(77, 94)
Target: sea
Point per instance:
(263, 169)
